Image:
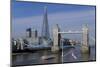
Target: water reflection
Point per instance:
(47, 57)
(85, 57)
(36, 58)
(75, 55)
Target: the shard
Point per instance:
(45, 26)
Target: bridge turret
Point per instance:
(56, 39)
(85, 41)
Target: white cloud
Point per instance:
(64, 19)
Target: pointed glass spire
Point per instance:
(45, 26)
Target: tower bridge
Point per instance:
(57, 38)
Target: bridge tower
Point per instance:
(85, 41)
(56, 39)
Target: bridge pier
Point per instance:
(85, 41)
(56, 39)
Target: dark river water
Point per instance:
(64, 56)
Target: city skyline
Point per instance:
(64, 15)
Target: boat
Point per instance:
(47, 57)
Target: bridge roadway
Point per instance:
(71, 32)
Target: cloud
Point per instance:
(66, 20)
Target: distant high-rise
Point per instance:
(28, 32)
(45, 26)
(34, 33)
(32, 36)
(31, 33)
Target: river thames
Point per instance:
(65, 56)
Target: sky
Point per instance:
(67, 16)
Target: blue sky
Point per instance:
(23, 9)
(30, 14)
